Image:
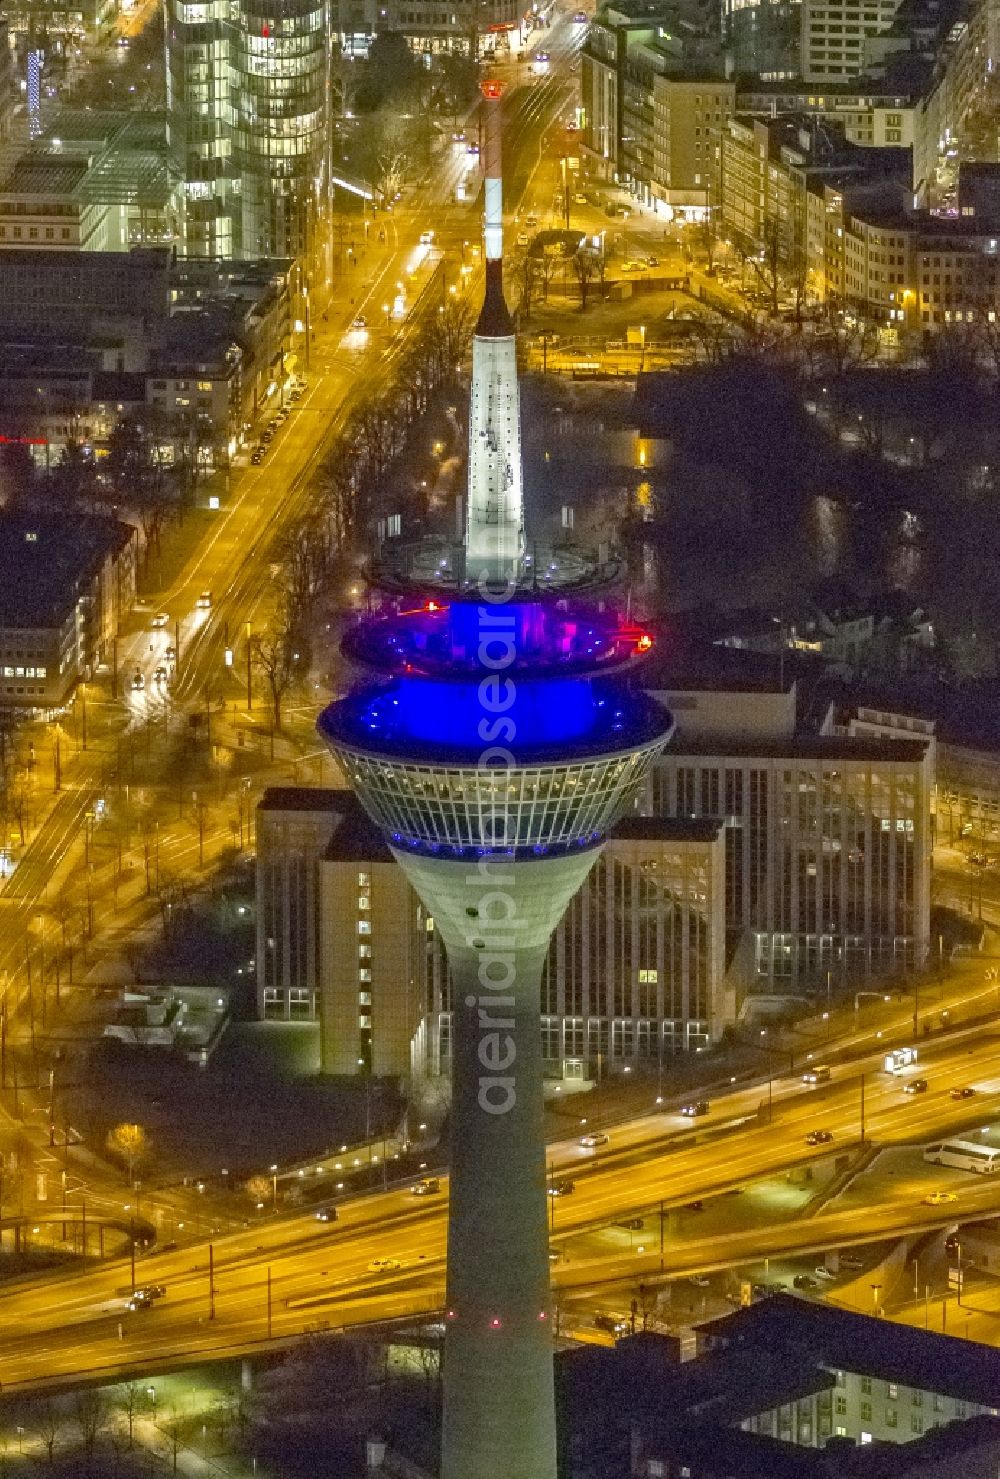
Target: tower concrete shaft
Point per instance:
(496, 917)
(494, 525)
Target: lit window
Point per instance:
(364, 880)
(204, 384)
(429, 924)
(364, 952)
(364, 974)
(364, 998)
(363, 901)
(364, 926)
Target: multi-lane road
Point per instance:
(296, 1274)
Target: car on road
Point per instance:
(428, 1187)
(326, 1214)
(613, 1324)
(634, 265)
(257, 456)
(818, 1075)
(383, 1265)
(541, 56)
(473, 150)
(695, 1206)
(523, 238)
(805, 1281)
(137, 1302)
(851, 1260)
(765, 1291)
(653, 261)
(138, 682)
(964, 1093)
(915, 1086)
(359, 321)
(426, 238)
(579, 17)
(160, 676)
(295, 395)
(700, 1281)
(940, 1198)
(267, 436)
(170, 654)
(458, 137)
(594, 1139)
(204, 602)
(161, 619)
(696, 1110)
(150, 1291)
(819, 1137)
(562, 1187)
(579, 199)
(822, 1272)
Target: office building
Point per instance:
(96, 181)
(834, 37)
(762, 37)
(247, 124)
(637, 969)
(654, 100)
(88, 337)
(797, 1390)
(65, 588)
(690, 115)
(828, 844)
(879, 1382)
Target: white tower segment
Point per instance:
(494, 525)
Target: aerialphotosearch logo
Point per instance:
(496, 910)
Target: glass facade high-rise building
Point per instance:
(248, 100)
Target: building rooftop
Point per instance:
(357, 839)
(45, 559)
(44, 175)
(666, 829)
(921, 1359)
(832, 748)
(301, 798)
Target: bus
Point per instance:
(965, 1155)
(899, 1059)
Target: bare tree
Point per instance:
(277, 653)
(47, 1426)
(91, 1413)
(585, 267)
